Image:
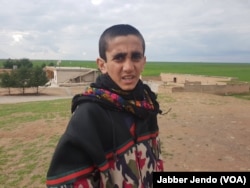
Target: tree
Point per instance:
(10, 63)
(25, 63)
(38, 78)
(51, 64)
(22, 77)
(6, 81)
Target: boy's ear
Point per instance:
(145, 60)
(101, 65)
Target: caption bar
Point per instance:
(201, 179)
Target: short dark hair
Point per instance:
(114, 31)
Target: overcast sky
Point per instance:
(174, 30)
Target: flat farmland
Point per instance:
(238, 70)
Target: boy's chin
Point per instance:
(128, 87)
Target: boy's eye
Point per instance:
(136, 56)
(119, 57)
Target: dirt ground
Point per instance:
(200, 132)
(205, 132)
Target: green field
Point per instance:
(238, 70)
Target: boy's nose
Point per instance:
(128, 65)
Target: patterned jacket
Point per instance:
(106, 148)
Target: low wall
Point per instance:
(205, 80)
(215, 89)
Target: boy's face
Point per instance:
(125, 61)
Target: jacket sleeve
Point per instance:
(79, 151)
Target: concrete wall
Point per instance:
(183, 78)
(87, 77)
(64, 75)
(215, 89)
(205, 84)
(61, 75)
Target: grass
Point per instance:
(238, 70)
(26, 149)
(242, 96)
(29, 112)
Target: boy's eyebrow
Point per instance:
(137, 53)
(125, 53)
(119, 54)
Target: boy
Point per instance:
(112, 137)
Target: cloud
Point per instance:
(96, 2)
(17, 37)
(174, 30)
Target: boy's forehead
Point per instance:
(121, 39)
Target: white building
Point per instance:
(59, 76)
